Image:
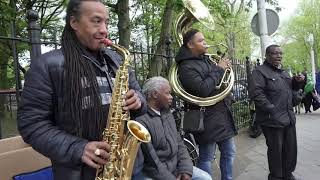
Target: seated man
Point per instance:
(166, 156)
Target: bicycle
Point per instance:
(188, 138)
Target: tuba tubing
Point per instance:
(200, 101)
(197, 12)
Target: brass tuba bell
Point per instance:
(197, 12)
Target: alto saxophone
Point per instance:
(124, 142)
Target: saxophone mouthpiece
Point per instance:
(107, 42)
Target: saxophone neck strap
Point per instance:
(103, 68)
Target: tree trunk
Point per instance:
(231, 45)
(123, 23)
(166, 26)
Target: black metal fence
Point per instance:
(8, 113)
(241, 110)
(141, 61)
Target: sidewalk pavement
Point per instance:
(251, 161)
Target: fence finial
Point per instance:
(34, 34)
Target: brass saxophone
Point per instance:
(124, 142)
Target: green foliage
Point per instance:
(295, 56)
(231, 27)
(11, 74)
(219, 7)
(148, 23)
(14, 12)
(297, 49)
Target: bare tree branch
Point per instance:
(240, 8)
(113, 7)
(53, 13)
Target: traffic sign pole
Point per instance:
(262, 26)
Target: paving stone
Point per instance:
(251, 160)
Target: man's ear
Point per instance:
(190, 45)
(73, 23)
(154, 95)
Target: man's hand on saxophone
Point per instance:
(132, 101)
(96, 154)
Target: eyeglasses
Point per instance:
(276, 53)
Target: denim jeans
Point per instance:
(207, 155)
(197, 174)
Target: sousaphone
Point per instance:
(197, 12)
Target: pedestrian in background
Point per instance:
(298, 83)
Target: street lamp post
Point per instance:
(310, 39)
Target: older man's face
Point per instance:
(274, 57)
(164, 97)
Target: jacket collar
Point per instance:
(154, 114)
(185, 54)
(106, 57)
(114, 57)
(272, 66)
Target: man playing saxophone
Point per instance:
(199, 76)
(67, 92)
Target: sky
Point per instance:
(288, 10)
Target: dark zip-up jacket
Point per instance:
(46, 126)
(273, 96)
(199, 77)
(165, 156)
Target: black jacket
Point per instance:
(45, 125)
(199, 77)
(297, 85)
(273, 96)
(166, 155)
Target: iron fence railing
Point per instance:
(141, 64)
(8, 111)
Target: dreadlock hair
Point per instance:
(80, 81)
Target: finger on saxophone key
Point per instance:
(132, 101)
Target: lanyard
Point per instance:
(103, 68)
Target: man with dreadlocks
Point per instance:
(67, 93)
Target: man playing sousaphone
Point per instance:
(199, 76)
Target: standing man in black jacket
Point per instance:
(67, 93)
(274, 99)
(199, 76)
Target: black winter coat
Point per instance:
(46, 126)
(273, 96)
(199, 77)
